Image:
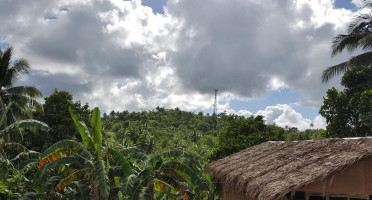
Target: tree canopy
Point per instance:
(348, 112)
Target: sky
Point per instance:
(264, 57)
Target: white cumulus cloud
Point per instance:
(284, 115)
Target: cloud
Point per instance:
(249, 45)
(358, 3)
(121, 55)
(284, 115)
(320, 122)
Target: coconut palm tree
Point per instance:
(359, 36)
(22, 97)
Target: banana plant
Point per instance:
(68, 165)
(9, 166)
(170, 175)
(6, 131)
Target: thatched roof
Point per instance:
(273, 169)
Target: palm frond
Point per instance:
(29, 91)
(360, 22)
(21, 66)
(349, 41)
(362, 59)
(5, 64)
(366, 42)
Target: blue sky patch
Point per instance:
(284, 96)
(3, 44)
(347, 4)
(156, 5)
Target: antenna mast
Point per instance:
(215, 101)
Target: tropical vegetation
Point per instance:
(61, 149)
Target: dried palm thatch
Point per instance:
(273, 169)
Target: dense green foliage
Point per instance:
(348, 112)
(12, 181)
(208, 137)
(241, 133)
(90, 169)
(55, 113)
(161, 130)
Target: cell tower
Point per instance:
(215, 101)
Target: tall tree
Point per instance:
(57, 116)
(359, 35)
(348, 112)
(22, 97)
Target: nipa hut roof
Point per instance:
(273, 169)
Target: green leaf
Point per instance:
(107, 165)
(29, 123)
(83, 129)
(125, 166)
(135, 154)
(77, 175)
(15, 147)
(96, 128)
(63, 145)
(191, 177)
(103, 179)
